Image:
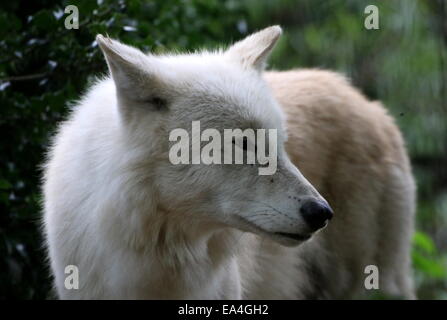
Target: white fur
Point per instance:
(139, 227)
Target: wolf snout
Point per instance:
(316, 213)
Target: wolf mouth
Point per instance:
(256, 229)
(294, 236)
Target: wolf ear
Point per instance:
(135, 74)
(253, 51)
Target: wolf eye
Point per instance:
(158, 103)
(265, 164)
(244, 143)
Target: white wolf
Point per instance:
(137, 226)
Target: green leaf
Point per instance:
(4, 184)
(429, 266)
(424, 242)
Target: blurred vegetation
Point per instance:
(44, 66)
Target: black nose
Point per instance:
(316, 213)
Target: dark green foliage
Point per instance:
(44, 66)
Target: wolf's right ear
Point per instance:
(134, 73)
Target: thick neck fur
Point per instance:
(182, 251)
(189, 254)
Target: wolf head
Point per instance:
(222, 90)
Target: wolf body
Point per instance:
(138, 227)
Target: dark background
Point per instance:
(44, 66)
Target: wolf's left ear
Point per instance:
(253, 51)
